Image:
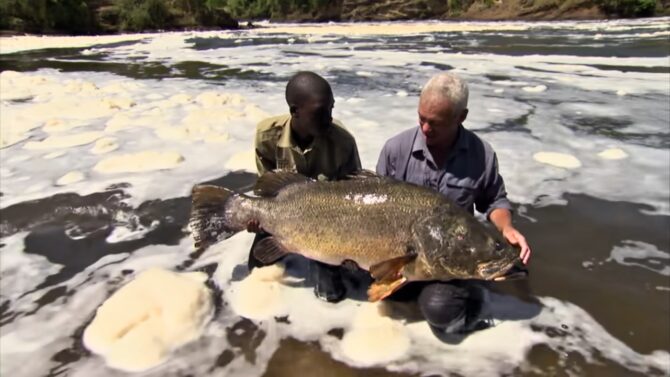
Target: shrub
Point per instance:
(137, 15)
(629, 8)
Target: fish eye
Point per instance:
(499, 246)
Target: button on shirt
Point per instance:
(330, 156)
(469, 176)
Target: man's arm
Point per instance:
(502, 219)
(264, 164)
(499, 210)
(353, 163)
(385, 164)
(265, 159)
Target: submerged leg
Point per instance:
(452, 307)
(329, 286)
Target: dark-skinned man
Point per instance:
(441, 154)
(307, 141)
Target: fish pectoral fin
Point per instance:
(270, 183)
(389, 270)
(269, 250)
(382, 289)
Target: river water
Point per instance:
(103, 138)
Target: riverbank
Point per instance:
(119, 16)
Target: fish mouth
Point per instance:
(514, 270)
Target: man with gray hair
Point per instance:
(443, 155)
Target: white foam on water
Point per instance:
(208, 118)
(535, 89)
(53, 142)
(373, 339)
(142, 322)
(561, 160)
(245, 160)
(19, 270)
(636, 253)
(71, 177)
(105, 145)
(139, 162)
(128, 228)
(394, 344)
(613, 154)
(14, 44)
(396, 28)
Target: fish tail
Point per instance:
(213, 214)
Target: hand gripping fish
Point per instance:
(397, 231)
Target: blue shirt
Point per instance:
(469, 176)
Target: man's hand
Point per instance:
(253, 226)
(515, 238)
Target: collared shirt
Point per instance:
(330, 156)
(469, 176)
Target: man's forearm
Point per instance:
(501, 218)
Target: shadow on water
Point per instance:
(296, 358)
(72, 60)
(518, 124)
(615, 128)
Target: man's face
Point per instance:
(438, 123)
(315, 114)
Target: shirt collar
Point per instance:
(420, 142)
(286, 139)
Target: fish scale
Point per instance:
(362, 211)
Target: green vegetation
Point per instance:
(620, 8)
(95, 16)
(275, 9)
(39, 15)
(628, 8)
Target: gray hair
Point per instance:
(450, 87)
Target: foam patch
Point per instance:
(560, 160)
(139, 162)
(141, 323)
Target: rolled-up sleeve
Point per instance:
(493, 194)
(385, 163)
(353, 163)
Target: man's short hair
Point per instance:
(304, 84)
(449, 87)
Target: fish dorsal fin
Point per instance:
(269, 250)
(270, 183)
(362, 174)
(389, 270)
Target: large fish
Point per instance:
(398, 231)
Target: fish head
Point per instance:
(453, 244)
